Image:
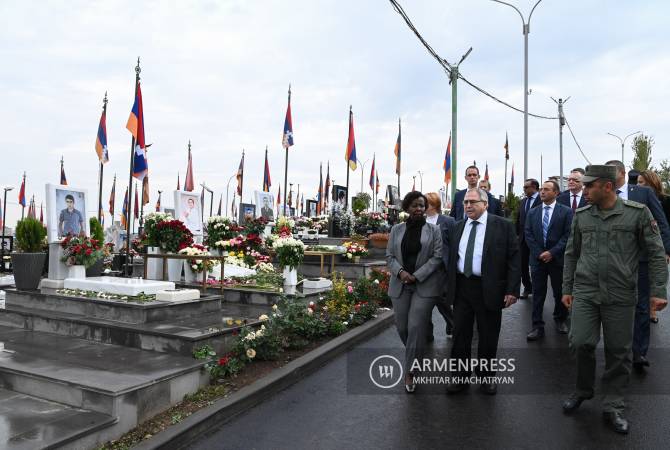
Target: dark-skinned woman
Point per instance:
(414, 258)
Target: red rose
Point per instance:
(223, 361)
(88, 252)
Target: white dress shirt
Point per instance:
(479, 245)
(432, 219)
(576, 197)
(624, 192)
(551, 210)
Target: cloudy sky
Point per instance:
(217, 72)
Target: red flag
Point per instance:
(135, 125)
(189, 185)
(506, 147)
(278, 198)
(287, 136)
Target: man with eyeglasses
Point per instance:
(472, 178)
(573, 198)
(531, 188)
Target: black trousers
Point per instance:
(525, 271)
(540, 273)
(447, 313)
(468, 306)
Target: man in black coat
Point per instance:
(573, 198)
(472, 177)
(483, 278)
(532, 198)
(646, 196)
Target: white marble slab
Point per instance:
(7, 280)
(48, 283)
(120, 286)
(320, 283)
(178, 295)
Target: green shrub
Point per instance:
(30, 234)
(97, 232)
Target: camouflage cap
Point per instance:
(595, 172)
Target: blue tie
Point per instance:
(545, 223)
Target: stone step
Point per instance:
(350, 270)
(128, 384)
(28, 422)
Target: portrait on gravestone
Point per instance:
(264, 205)
(311, 208)
(66, 211)
(189, 210)
(339, 196)
(169, 211)
(393, 195)
(247, 212)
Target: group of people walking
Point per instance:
(603, 244)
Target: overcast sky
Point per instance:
(217, 73)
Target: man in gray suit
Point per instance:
(414, 258)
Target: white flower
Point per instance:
(250, 337)
(346, 324)
(376, 281)
(311, 303)
(274, 307)
(349, 255)
(263, 317)
(251, 353)
(309, 311)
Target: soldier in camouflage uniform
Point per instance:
(600, 287)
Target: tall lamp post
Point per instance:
(526, 31)
(227, 189)
(4, 226)
(211, 198)
(623, 141)
(362, 170)
(420, 180)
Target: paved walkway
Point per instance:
(321, 412)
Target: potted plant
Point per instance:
(354, 251)
(219, 231)
(290, 253)
(379, 240)
(80, 253)
(194, 267)
(98, 234)
(172, 236)
(28, 260)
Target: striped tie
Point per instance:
(545, 223)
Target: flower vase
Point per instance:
(154, 265)
(357, 259)
(290, 276)
(174, 269)
(77, 272)
(190, 275)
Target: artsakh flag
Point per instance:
(266, 174)
(22, 193)
(136, 127)
(101, 139)
(112, 199)
(372, 173)
(446, 165)
(350, 155)
(397, 150)
(287, 136)
(124, 211)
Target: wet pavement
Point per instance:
(325, 410)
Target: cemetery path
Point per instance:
(327, 410)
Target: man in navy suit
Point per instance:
(531, 189)
(646, 196)
(547, 230)
(573, 198)
(472, 177)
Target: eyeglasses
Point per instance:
(576, 180)
(472, 202)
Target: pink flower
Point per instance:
(350, 289)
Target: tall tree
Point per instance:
(664, 174)
(642, 146)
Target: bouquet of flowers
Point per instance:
(220, 229)
(372, 221)
(80, 250)
(320, 224)
(151, 220)
(354, 249)
(255, 226)
(172, 235)
(303, 222)
(290, 252)
(198, 265)
(236, 258)
(345, 220)
(284, 226)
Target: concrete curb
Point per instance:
(203, 421)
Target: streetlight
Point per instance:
(211, 198)
(623, 141)
(421, 179)
(4, 226)
(526, 30)
(362, 170)
(227, 188)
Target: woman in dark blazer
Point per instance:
(414, 258)
(650, 179)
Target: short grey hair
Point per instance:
(483, 196)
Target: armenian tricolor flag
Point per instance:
(136, 127)
(124, 211)
(101, 139)
(372, 173)
(446, 165)
(350, 155)
(266, 174)
(22, 192)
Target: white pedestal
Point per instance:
(290, 277)
(77, 271)
(179, 295)
(321, 283)
(154, 265)
(48, 283)
(120, 286)
(57, 269)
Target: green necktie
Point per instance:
(470, 250)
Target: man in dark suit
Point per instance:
(547, 231)
(472, 177)
(573, 198)
(646, 196)
(483, 278)
(531, 189)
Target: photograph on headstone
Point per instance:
(188, 210)
(66, 211)
(247, 211)
(264, 201)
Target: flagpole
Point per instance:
(130, 177)
(346, 197)
(286, 159)
(399, 162)
(242, 178)
(104, 113)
